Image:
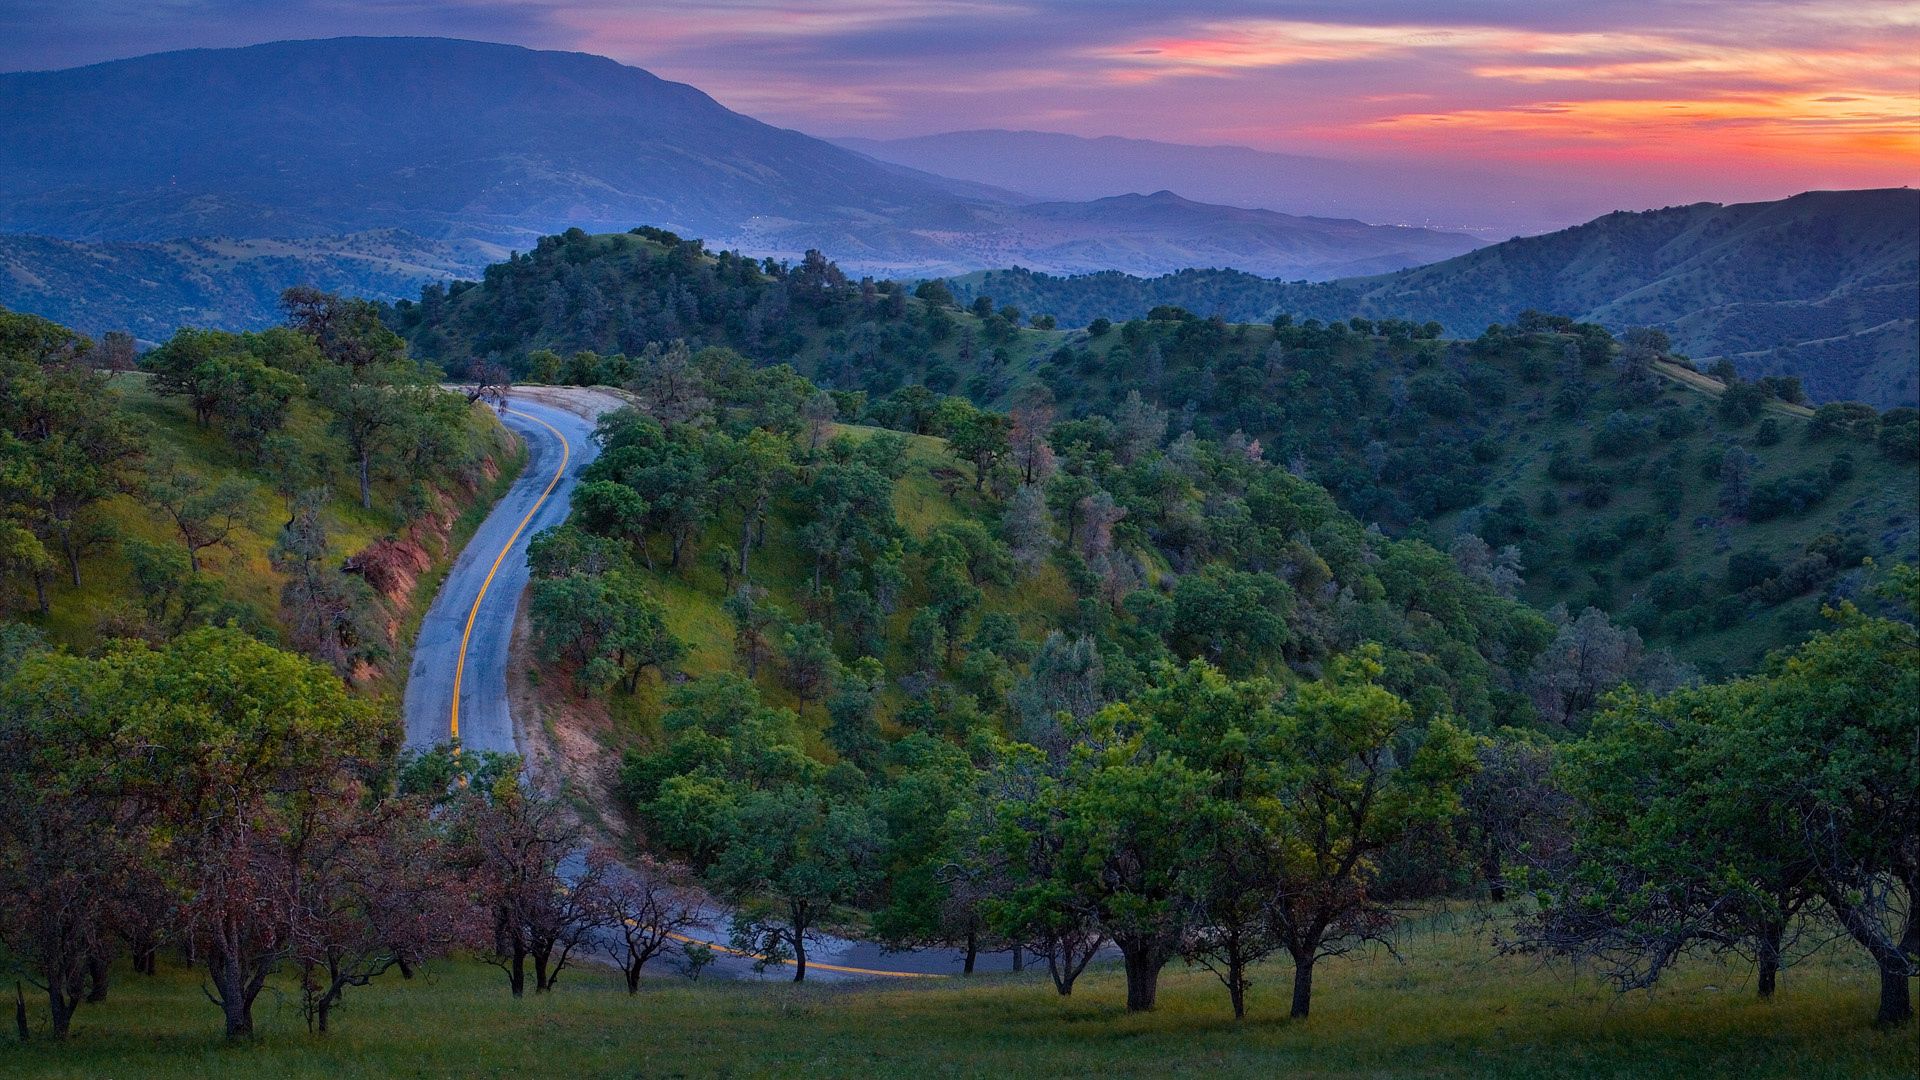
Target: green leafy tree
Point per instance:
(204, 513)
(1717, 815)
(1343, 797)
(1232, 618)
(610, 625)
(753, 470)
(791, 856)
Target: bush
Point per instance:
(1746, 569)
(1900, 434)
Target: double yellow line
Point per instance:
(460, 663)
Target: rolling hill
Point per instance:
(1611, 491)
(1824, 285)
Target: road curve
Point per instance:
(458, 685)
(460, 659)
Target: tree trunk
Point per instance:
(799, 958)
(1019, 958)
(517, 970)
(97, 973)
(1769, 958)
(1496, 885)
(73, 554)
(230, 983)
(1769, 974)
(1237, 985)
(366, 483)
(145, 952)
(1896, 993)
(973, 951)
(62, 1005)
(1063, 974)
(541, 984)
(1302, 988)
(633, 977)
(1143, 965)
(746, 543)
(20, 1010)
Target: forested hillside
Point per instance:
(1033, 684)
(1714, 520)
(868, 627)
(219, 482)
(1821, 286)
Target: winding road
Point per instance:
(458, 684)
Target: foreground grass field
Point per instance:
(1450, 1009)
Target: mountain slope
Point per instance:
(1824, 285)
(305, 137)
(463, 140)
(1173, 232)
(151, 288)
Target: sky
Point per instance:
(1697, 99)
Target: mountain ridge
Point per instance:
(1054, 165)
(464, 140)
(1823, 285)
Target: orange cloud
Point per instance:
(1790, 129)
(1825, 81)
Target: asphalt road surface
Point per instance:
(458, 686)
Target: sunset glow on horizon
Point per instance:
(1750, 98)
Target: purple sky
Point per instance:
(1747, 98)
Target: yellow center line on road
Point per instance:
(811, 965)
(460, 662)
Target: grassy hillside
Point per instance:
(1407, 431)
(693, 596)
(1446, 1010)
(109, 600)
(1612, 490)
(617, 294)
(219, 485)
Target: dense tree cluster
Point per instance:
(1101, 674)
(1756, 817)
(1238, 725)
(236, 807)
(1424, 436)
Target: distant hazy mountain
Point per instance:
(152, 288)
(459, 140)
(1054, 166)
(1165, 232)
(1825, 285)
